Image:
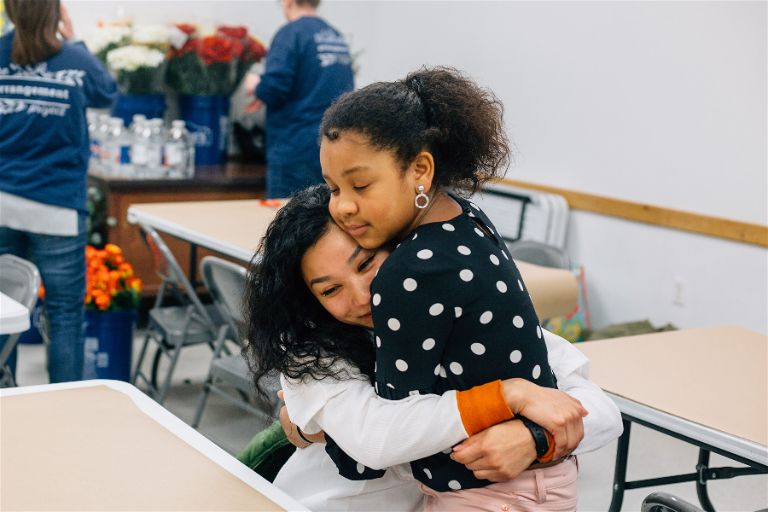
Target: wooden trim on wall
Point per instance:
(745, 232)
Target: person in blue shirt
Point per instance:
(308, 67)
(46, 84)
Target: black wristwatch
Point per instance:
(539, 436)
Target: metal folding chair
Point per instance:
(19, 280)
(226, 283)
(538, 253)
(664, 502)
(172, 327)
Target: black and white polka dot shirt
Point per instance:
(451, 311)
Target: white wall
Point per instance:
(658, 102)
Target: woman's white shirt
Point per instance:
(382, 433)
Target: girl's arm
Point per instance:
(483, 452)
(380, 433)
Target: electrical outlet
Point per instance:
(679, 292)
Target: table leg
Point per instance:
(701, 482)
(620, 472)
(193, 265)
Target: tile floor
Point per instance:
(651, 454)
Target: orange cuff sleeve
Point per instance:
(482, 407)
(547, 457)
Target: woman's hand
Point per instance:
(251, 82)
(554, 410)
(499, 453)
(292, 430)
(65, 24)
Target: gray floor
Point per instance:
(651, 454)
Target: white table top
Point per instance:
(14, 317)
(710, 384)
(235, 228)
(104, 445)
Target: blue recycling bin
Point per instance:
(108, 344)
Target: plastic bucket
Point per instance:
(151, 105)
(207, 120)
(108, 344)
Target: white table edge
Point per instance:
(136, 216)
(728, 442)
(180, 429)
(18, 321)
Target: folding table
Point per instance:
(707, 386)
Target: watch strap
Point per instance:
(539, 436)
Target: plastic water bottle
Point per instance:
(136, 122)
(116, 152)
(101, 132)
(94, 162)
(139, 146)
(155, 143)
(178, 155)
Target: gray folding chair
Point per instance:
(538, 253)
(19, 280)
(226, 284)
(172, 327)
(664, 502)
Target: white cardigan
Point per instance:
(382, 433)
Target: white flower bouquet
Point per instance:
(139, 69)
(107, 37)
(134, 53)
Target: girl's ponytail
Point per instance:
(465, 129)
(434, 109)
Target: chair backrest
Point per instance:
(19, 280)
(226, 283)
(664, 502)
(539, 253)
(171, 273)
(525, 214)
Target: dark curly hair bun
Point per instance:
(435, 109)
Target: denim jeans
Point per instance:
(284, 180)
(61, 262)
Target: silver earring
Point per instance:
(422, 199)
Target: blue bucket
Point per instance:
(127, 105)
(207, 120)
(108, 344)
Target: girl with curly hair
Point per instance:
(308, 305)
(450, 309)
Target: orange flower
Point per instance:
(103, 301)
(113, 249)
(135, 284)
(110, 282)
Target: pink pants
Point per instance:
(547, 489)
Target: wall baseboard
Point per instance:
(738, 231)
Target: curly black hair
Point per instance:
(287, 329)
(435, 109)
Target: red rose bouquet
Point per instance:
(213, 64)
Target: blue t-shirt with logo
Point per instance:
(308, 67)
(44, 146)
